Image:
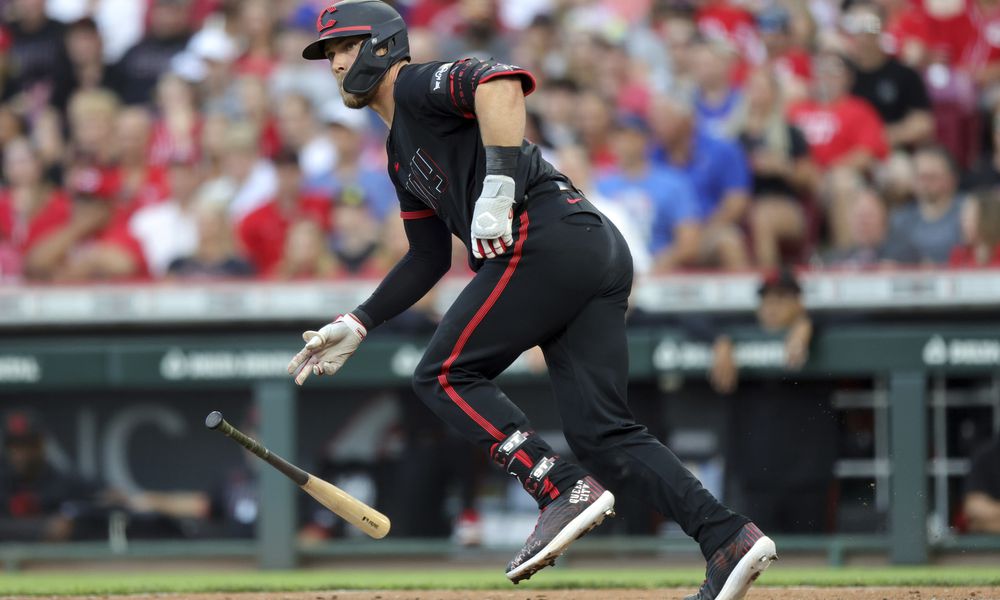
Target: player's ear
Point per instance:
(381, 51)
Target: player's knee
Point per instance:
(425, 380)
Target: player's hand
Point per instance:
(723, 373)
(492, 220)
(797, 344)
(328, 349)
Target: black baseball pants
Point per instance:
(564, 287)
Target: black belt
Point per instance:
(552, 185)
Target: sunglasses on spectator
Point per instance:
(860, 24)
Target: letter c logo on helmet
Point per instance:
(386, 42)
(325, 20)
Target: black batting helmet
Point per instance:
(373, 18)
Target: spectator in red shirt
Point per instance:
(721, 18)
(256, 23)
(52, 257)
(117, 254)
(842, 130)
(263, 232)
(845, 135)
(305, 254)
(905, 31)
(177, 128)
(30, 208)
(980, 221)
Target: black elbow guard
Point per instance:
(466, 75)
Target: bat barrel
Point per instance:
(359, 514)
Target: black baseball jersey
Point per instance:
(436, 156)
(437, 164)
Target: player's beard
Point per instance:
(356, 100)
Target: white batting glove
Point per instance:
(492, 219)
(328, 349)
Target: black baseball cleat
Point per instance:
(567, 518)
(736, 565)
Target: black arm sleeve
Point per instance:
(428, 259)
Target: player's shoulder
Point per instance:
(423, 78)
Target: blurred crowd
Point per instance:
(150, 139)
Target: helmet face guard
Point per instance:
(385, 45)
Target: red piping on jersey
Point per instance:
(467, 333)
(531, 78)
(409, 215)
(451, 91)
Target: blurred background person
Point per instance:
(845, 135)
(784, 175)
(981, 504)
(168, 230)
(661, 199)
(787, 58)
(356, 167)
(980, 222)
(305, 254)
(38, 503)
(135, 75)
(300, 132)
(895, 90)
(357, 234)
(243, 166)
(31, 208)
(868, 227)
(177, 122)
(216, 256)
(39, 67)
(85, 48)
(986, 170)
(716, 99)
(719, 172)
(263, 233)
(52, 257)
(790, 485)
(925, 231)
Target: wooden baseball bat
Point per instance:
(354, 511)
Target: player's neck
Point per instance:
(384, 104)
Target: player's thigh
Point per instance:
(502, 312)
(588, 365)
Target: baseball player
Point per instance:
(551, 271)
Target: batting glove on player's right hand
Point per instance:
(492, 219)
(328, 349)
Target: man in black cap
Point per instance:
(551, 271)
(36, 502)
(784, 479)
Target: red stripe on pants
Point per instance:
(467, 333)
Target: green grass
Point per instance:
(89, 583)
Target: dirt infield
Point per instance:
(761, 593)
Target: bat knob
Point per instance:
(213, 420)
